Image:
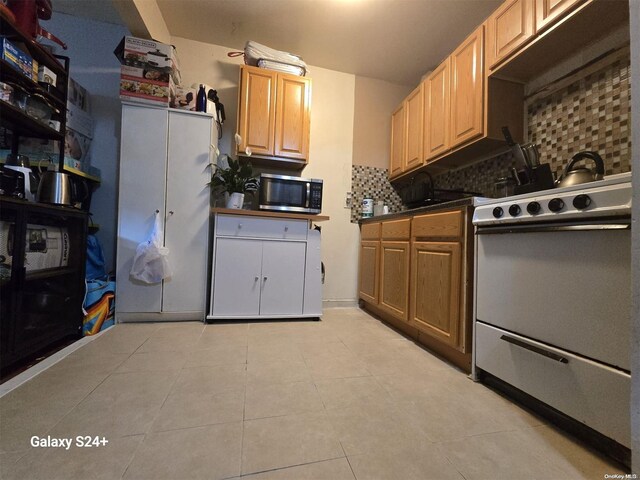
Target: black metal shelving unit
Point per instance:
(42, 247)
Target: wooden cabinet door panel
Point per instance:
(509, 27)
(257, 110)
(414, 111)
(394, 278)
(397, 141)
(292, 117)
(237, 276)
(282, 278)
(369, 271)
(435, 295)
(467, 83)
(549, 11)
(437, 112)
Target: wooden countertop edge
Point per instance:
(264, 213)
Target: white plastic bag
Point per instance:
(150, 264)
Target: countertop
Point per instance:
(265, 213)
(463, 202)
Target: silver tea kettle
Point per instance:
(56, 188)
(575, 176)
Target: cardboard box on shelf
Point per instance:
(19, 60)
(79, 96)
(149, 55)
(137, 85)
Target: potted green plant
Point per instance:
(235, 180)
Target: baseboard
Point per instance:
(134, 317)
(48, 362)
(339, 303)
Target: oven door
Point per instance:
(567, 285)
(284, 193)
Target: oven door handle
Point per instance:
(534, 349)
(576, 227)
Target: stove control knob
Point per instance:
(514, 210)
(556, 204)
(533, 208)
(498, 212)
(582, 201)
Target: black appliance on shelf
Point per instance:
(420, 192)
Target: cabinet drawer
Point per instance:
(370, 231)
(396, 229)
(255, 227)
(448, 224)
(590, 392)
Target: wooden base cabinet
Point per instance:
(435, 290)
(394, 278)
(416, 274)
(369, 271)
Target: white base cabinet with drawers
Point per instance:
(264, 268)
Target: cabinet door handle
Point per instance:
(286, 228)
(256, 279)
(534, 349)
(170, 212)
(264, 279)
(239, 225)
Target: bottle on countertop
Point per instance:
(201, 100)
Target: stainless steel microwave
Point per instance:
(290, 194)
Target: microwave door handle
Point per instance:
(306, 205)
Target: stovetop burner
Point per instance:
(605, 198)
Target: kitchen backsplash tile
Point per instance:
(591, 114)
(372, 182)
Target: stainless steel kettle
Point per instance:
(56, 188)
(575, 176)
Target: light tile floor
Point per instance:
(344, 398)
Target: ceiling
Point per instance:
(393, 40)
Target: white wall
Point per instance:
(375, 101)
(634, 6)
(331, 150)
(96, 68)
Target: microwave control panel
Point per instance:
(316, 196)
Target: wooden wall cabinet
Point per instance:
(508, 28)
(414, 117)
(467, 89)
(274, 114)
(436, 112)
(550, 11)
(398, 126)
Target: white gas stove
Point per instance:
(610, 197)
(553, 300)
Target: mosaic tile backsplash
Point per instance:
(593, 113)
(371, 182)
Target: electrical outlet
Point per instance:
(347, 202)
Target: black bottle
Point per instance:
(201, 100)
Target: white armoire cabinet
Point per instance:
(164, 167)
